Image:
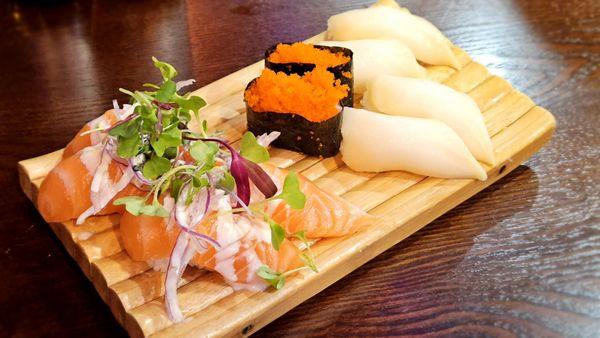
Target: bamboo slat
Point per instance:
(404, 202)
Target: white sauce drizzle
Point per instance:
(239, 234)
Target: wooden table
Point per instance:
(520, 258)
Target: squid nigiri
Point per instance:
(428, 99)
(379, 56)
(375, 142)
(387, 20)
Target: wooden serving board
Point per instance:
(404, 202)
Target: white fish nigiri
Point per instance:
(375, 142)
(429, 99)
(374, 57)
(387, 21)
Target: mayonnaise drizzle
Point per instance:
(238, 236)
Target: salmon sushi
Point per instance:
(84, 138)
(66, 194)
(324, 215)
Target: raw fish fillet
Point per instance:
(65, 192)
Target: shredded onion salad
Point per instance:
(185, 174)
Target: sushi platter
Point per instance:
(399, 203)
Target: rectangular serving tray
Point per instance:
(404, 202)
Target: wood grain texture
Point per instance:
(519, 258)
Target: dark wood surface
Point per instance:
(521, 258)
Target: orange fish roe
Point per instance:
(313, 96)
(304, 53)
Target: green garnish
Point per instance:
(167, 71)
(204, 153)
(291, 192)
(277, 233)
(307, 257)
(168, 158)
(156, 166)
(170, 137)
(227, 183)
(253, 151)
(276, 279)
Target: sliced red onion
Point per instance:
(184, 83)
(203, 238)
(181, 255)
(208, 197)
(260, 178)
(240, 203)
(266, 139)
(125, 120)
(111, 148)
(116, 107)
(84, 215)
(103, 189)
(188, 216)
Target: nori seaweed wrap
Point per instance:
(297, 133)
(342, 72)
(308, 124)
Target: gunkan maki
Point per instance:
(304, 108)
(299, 58)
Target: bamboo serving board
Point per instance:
(404, 203)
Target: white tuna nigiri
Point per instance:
(375, 142)
(429, 99)
(388, 21)
(374, 57)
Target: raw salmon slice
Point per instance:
(245, 246)
(83, 141)
(324, 215)
(65, 192)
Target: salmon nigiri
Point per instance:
(245, 246)
(205, 203)
(149, 238)
(66, 192)
(84, 138)
(324, 215)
